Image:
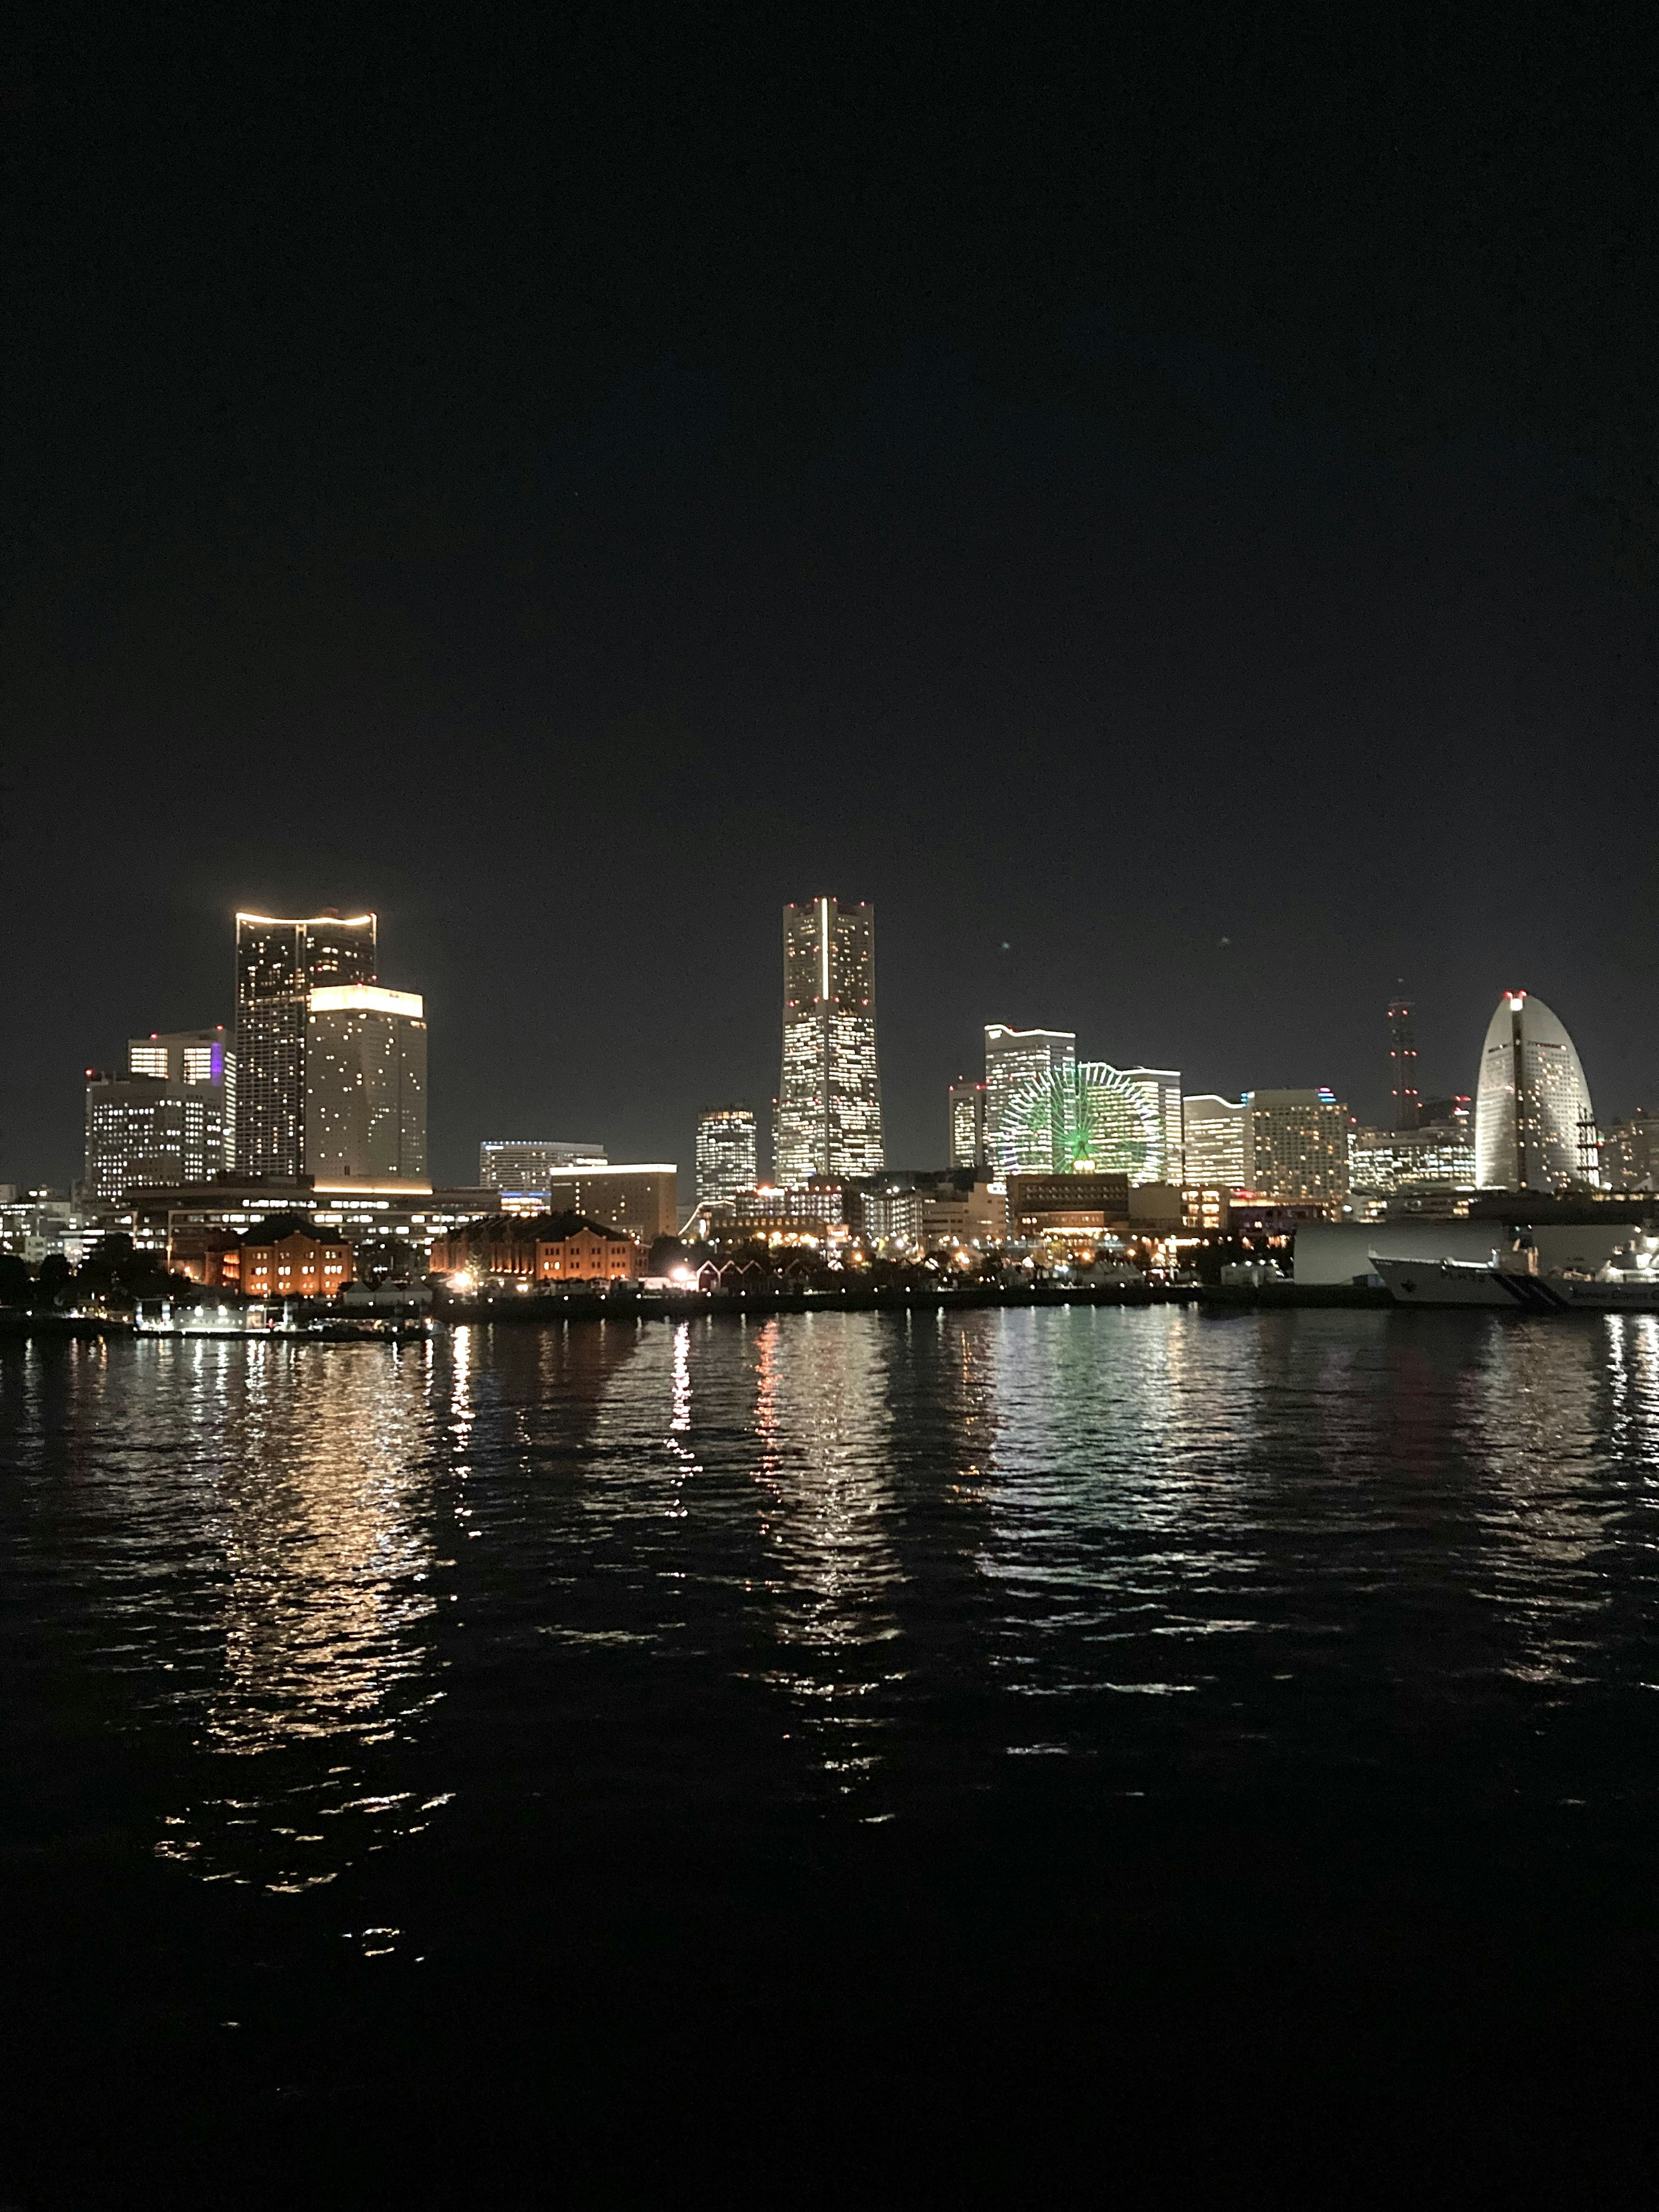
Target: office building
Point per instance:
(640, 1200)
(364, 1064)
(142, 1130)
(193, 1056)
(1430, 1155)
(1212, 1129)
(1161, 1088)
(829, 1108)
(278, 965)
(967, 1123)
(1405, 1096)
(1630, 1153)
(1014, 1060)
(1297, 1146)
(1534, 1128)
(525, 1165)
(1082, 1117)
(727, 1159)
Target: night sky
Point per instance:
(1166, 511)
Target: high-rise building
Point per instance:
(1630, 1153)
(1433, 1155)
(365, 1062)
(1015, 1059)
(1212, 1131)
(142, 1131)
(193, 1056)
(726, 1156)
(967, 1123)
(1297, 1146)
(1402, 1063)
(828, 1108)
(526, 1165)
(1161, 1088)
(278, 965)
(1534, 1128)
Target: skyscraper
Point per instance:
(1297, 1146)
(726, 1162)
(1161, 1089)
(967, 1123)
(1213, 1134)
(278, 965)
(829, 1108)
(142, 1131)
(1534, 1128)
(1013, 1060)
(193, 1056)
(365, 1065)
(1402, 1063)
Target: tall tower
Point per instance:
(1402, 1062)
(365, 1083)
(1013, 1059)
(278, 965)
(829, 1109)
(1534, 1128)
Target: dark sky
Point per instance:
(1166, 511)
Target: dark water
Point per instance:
(837, 1754)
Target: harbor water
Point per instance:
(865, 1752)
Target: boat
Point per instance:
(1511, 1278)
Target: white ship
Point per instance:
(1511, 1278)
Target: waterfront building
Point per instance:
(525, 1165)
(545, 1248)
(1630, 1153)
(1044, 1205)
(829, 1107)
(183, 1219)
(892, 1217)
(952, 1215)
(283, 1257)
(1083, 1117)
(726, 1155)
(642, 1199)
(1534, 1128)
(1402, 1063)
(1161, 1087)
(193, 1056)
(1014, 1060)
(278, 965)
(967, 1125)
(1430, 1155)
(1212, 1131)
(365, 1067)
(1297, 1146)
(143, 1130)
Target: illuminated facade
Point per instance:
(548, 1248)
(144, 1132)
(1161, 1088)
(640, 1200)
(365, 1066)
(727, 1161)
(1082, 1118)
(278, 965)
(967, 1143)
(1212, 1129)
(283, 1258)
(1297, 1146)
(526, 1165)
(193, 1056)
(1534, 1128)
(1430, 1155)
(829, 1108)
(1014, 1059)
(1630, 1153)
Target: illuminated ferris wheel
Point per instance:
(1084, 1119)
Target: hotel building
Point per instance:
(829, 1109)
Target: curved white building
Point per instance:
(1534, 1128)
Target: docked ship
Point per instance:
(1511, 1278)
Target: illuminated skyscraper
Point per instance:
(1402, 1064)
(967, 1124)
(727, 1164)
(193, 1057)
(143, 1130)
(278, 965)
(365, 1085)
(1212, 1129)
(1014, 1059)
(829, 1108)
(1534, 1128)
(1161, 1086)
(528, 1164)
(1295, 1147)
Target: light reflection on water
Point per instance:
(337, 1593)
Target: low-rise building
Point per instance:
(642, 1199)
(547, 1248)
(1038, 1204)
(285, 1257)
